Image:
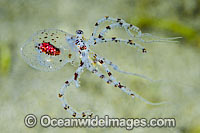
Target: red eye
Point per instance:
(48, 48)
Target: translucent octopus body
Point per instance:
(51, 49)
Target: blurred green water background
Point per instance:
(24, 90)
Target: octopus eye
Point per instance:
(79, 32)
